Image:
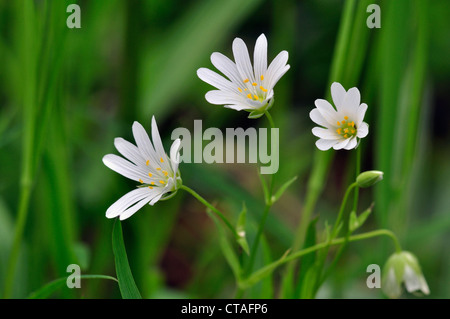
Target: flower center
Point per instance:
(346, 128)
(253, 91)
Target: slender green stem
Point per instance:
(341, 210)
(210, 206)
(270, 119)
(269, 268)
(358, 170)
(267, 207)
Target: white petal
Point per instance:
(129, 151)
(127, 200)
(327, 111)
(133, 209)
(157, 143)
(277, 67)
(260, 56)
(351, 144)
(143, 142)
(227, 67)
(360, 114)
(216, 80)
(424, 286)
(175, 155)
(123, 167)
(411, 279)
(337, 93)
(318, 118)
(351, 103)
(325, 133)
(242, 60)
(220, 97)
(363, 130)
(342, 144)
(237, 107)
(324, 145)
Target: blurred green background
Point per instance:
(65, 94)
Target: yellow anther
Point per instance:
(162, 182)
(263, 89)
(152, 183)
(343, 122)
(150, 187)
(254, 84)
(345, 135)
(165, 173)
(346, 130)
(161, 160)
(249, 96)
(339, 123)
(147, 163)
(141, 181)
(262, 77)
(158, 168)
(339, 131)
(150, 174)
(256, 97)
(245, 89)
(240, 90)
(353, 131)
(246, 81)
(352, 124)
(346, 117)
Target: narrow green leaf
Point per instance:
(240, 230)
(127, 286)
(282, 189)
(47, 290)
(307, 262)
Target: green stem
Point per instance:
(358, 171)
(341, 210)
(267, 207)
(264, 271)
(210, 206)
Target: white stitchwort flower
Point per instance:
(148, 164)
(404, 268)
(248, 87)
(343, 126)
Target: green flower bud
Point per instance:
(369, 178)
(404, 268)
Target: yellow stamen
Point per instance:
(141, 181)
(158, 168)
(147, 163)
(254, 84)
(353, 131)
(246, 80)
(165, 173)
(152, 183)
(162, 182)
(249, 96)
(150, 187)
(262, 77)
(245, 89)
(263, 89)
(150, 174)
(240, 90)
(346, 130)
(352, 124)
(339, 131)
(339, 123)
(346, 117)
(345, 135)
(256, 97)
(161, 160)
(343, 122)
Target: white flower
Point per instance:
(404, 268)
(343, 126)
(248, 88)
(148, 164)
